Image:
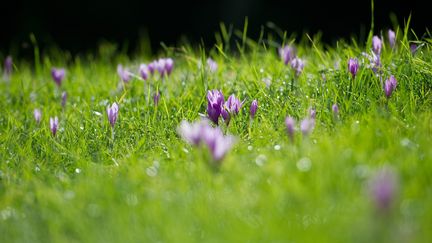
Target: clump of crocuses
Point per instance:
(353, 67)
(306, 125)
(54, 125)
(389, 86)
(383, 187)
(58, 75)
(215, 102)
(164, 66)
(112, 113)
(212, 137)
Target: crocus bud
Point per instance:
(392, 38)
(413, 48)
(169, 64)
(383, 188)
(54, 125)
(389, 86)
(335, 109)
(37, 115)
(307, 125)
(156, 98)
(287, 53)
(215, 102)
(290, 124)
(353, 66)
(124, 73)
(8, 66)
(144, 71)
(297, 64)
(312, 113)
(112, 113)
(212, 65)
(64, 97)
(376, 45)
(253, 108)
(58, 75)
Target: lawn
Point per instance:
(353, 163)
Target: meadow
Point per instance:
(352, 163)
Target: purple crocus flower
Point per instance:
(112, 113)
(124, 73)
(217, 143)
(290, 126)
(297, 64)
(144, 71)
(156, 98)
(160, 66)
(335, 109)
(389, 86)
(54, 125)
(383, 188)
(64, 97)
(375, 62)
(225, 115)
(231, 108)
(413, 48)
(312, 113)
(353, 66)
(392, 38)
(8, 66)
(233, 105)
(212, 65)
(192, 132)
(287, 53)
(58, 75)
(253, 108)
(215, 100)
(152, 67)
(169, 64)
(376, 45)
(37, 115)
(307, 125)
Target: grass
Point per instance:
(147, 185)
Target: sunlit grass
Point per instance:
(145, 184)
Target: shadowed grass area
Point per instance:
(147, 185)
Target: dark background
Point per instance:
(81, 24)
